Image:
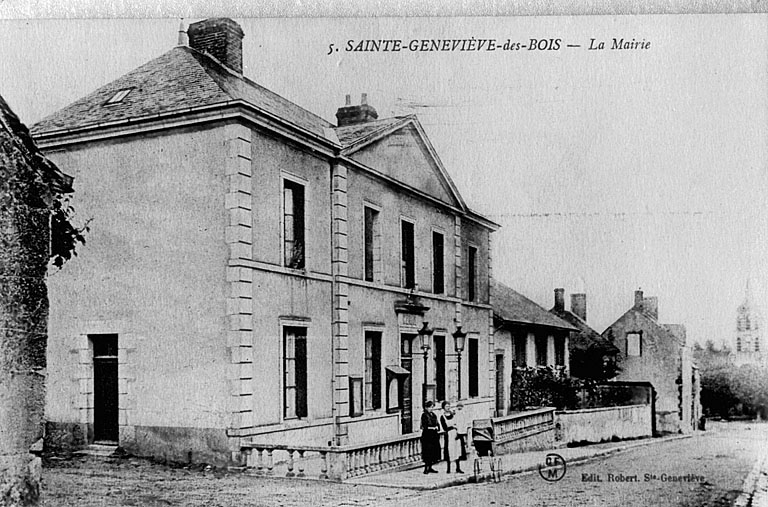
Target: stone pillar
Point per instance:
(24, 252)
(550, 350)
(491, 336)
(340, 320)
(458, 277)
(530, 350)
(239, 305)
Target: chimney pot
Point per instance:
(348, 100)
(183, 39)
(559, 299)
(579, 306)
(353, 115)
(221, 38)
(639, 298)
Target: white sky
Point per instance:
(608, 170)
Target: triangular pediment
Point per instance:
(405, 154)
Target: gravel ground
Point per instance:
(720, 458)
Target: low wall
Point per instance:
(602, 424)
(524, 431)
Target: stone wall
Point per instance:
(602, 424)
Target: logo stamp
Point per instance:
(553, 468)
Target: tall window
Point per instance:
(439, 367)
(408, 271)
(372, 239)
(295, 372)
(560, 351)
(372, 370)
(473, 367)
(293, 224)
(541, 350)
(521, 356)
(634, 344)
(438, 268)
(471, 273)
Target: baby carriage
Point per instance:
(483, 439)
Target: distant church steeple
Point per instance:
(748, 325)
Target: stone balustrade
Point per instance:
(336, 462)
(521, 431)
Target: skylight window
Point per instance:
(118, 97)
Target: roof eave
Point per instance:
(206, 113)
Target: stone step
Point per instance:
(99, 450)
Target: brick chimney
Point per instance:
(559, 300)
(639, 299)
(221, 38)
(352, 115)
(579, 306)
(651, 307)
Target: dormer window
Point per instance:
(118, 97)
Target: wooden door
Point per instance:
(105, 402)
(406, 393)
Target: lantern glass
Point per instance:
(459, 342)
(425, 336)
(459, 339)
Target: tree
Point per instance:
(32, 207)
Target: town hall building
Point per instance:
(254, 271)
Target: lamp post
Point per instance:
(459, 338)
(425, 335)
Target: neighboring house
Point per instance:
(659, 354)
(254, 271)
(526, 335)
(591, 355)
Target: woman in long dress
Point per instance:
(451, 437)
(430, 438)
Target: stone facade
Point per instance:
(229, 254)
(659, 354)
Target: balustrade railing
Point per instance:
(336, 462)
(347, 461)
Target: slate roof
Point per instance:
(352, 134)
(511, 306)
(586, 336)
(180, 79)
(19, 135)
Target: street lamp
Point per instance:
(425, 335)
(459, 338)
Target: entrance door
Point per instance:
(105, 405)
(499, 385)
(406, 393)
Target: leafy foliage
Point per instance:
(64, 236)
(727, 390)
(551, 387)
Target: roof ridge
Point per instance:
(194, 53)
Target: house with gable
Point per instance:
(659, 354)
(255, 272)
(527, 335)
(590, 355)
